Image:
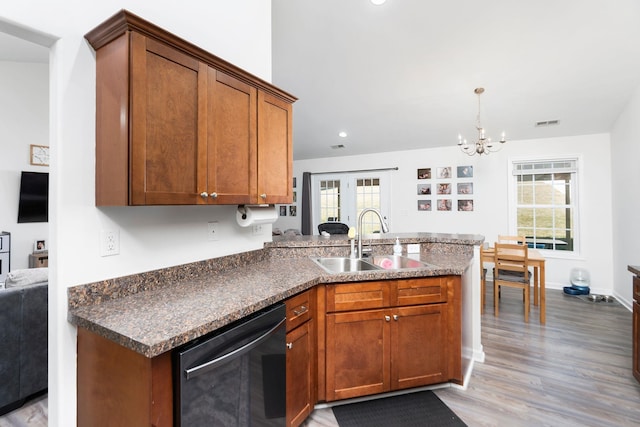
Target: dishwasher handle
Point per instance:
(212, 364)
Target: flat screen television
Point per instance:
(33, 205)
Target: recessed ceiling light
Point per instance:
(342, 134)
(378, 2)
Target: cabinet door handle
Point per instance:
(395, 317)
(213, 195)
(302, 309)
(289, 345)
(387, 318)
(264, 196)
(204, 194)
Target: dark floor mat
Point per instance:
(414, 409)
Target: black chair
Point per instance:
(333, 228)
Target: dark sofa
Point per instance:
(23, 344)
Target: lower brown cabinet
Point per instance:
(372, 350)
(636, 327)
(301, 357)
(119, 387)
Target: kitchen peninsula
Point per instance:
(142, 318)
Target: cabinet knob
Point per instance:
(213, 195)
(289, 345)
(395, 317)
(264, 196)
(387, 318)
(204, 194)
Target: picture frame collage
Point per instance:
(445, 188)
(292, 209)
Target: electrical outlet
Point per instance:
(212, 230)
(109, 242)
(257, 229)
(413, 248)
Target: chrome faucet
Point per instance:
(383, 224)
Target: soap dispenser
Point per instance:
(397, 247)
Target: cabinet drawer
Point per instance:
(357, 296)
(636, 288)
(428, 290)
(300, 309)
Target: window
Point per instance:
(330, 201)
(342, 196)
(546, 203)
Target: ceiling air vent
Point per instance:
(337, 147)
(547, 123)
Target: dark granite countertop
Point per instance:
(634, 269)
(156, 319)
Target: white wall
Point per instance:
(24, 112)
(490, 216)
(237, 31)
(625, 152)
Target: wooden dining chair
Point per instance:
(483, 270)
(511, 268)
(519, 240)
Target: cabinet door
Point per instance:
(358, 296)
(423, 290)
(357, 354)
(232, 142)
(299, 374)
(418, 346)
(636, 340)
(168, 129)
(275, 155)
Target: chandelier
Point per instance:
(483, 145)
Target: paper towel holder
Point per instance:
(243, 209)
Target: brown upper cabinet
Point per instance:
(176, 125)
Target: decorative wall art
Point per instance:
(424, 189)
(444, 204)
(424, 205)
(444, 172)
(465, 205)
(465, 188)
(424, 173)
(465, 171)
(451, 190)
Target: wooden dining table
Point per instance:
(535, 260)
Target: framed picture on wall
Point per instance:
(39, 246)
(424, 173)
(444, 172)
(444, 188)
(465, 188)
(444, 204)
(424, 189)
(465, 205)
(465, 171)
(424, 205)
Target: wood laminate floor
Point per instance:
(574, 371)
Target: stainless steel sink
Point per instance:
(396, 262)
(344, 264)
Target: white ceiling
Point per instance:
(401, 75)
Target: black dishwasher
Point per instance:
(235, 376)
